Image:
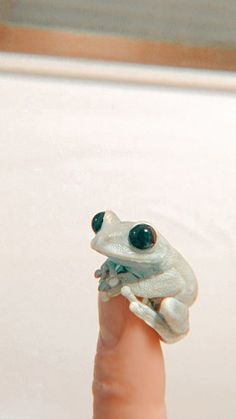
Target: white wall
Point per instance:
(68, 150)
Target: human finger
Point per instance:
(129, 380)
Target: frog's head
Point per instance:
(127, 243)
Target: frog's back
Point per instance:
(189, 292)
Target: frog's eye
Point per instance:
(142, 236)
(97, 221)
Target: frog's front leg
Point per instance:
(107, 269)
(170, 322)
(166, 284)
(107, 276)
(138, 308)
(142, 310)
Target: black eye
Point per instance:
(97, 221)
(142, 236)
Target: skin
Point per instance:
(129, 378)
(157, 282)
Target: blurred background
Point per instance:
(129, 106)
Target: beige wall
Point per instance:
(190, 22)
(68, 150)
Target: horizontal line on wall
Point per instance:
(113, 48)
(74, 69)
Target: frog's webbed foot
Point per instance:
(112, 276)
(170, 322)
(138, 308)
(107, 269)
(109, 279)
(98, 273)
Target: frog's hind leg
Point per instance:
(167, 322)
(176, 315)
(156, 321)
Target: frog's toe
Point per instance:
(134, 307)
(104, 286)
(104, 296)
(127, 293)
(98, 273)
(113, 282)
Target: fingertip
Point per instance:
(112, 319)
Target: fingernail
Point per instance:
(112, 317)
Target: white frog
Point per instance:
(143, 267)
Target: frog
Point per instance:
(147, 270)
